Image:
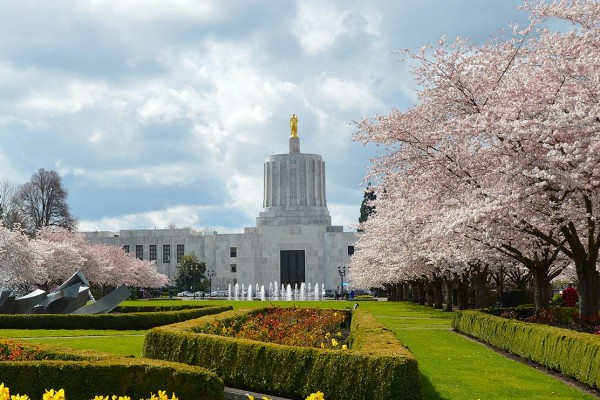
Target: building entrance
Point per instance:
(291, 267)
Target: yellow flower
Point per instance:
(173, 397)
(4, 392)
(344, 347)
(20, 397)
(322, 345)
(339, 333)
(334, 342)
(316, 396)
(327, 335)
(250, 397)
(100, 398)
(54, 395)
(264, 398)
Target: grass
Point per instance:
(455, 367)
(452, 366)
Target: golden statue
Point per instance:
(294, 126)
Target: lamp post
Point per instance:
(342, 272)
(193, 270)
(210, 275)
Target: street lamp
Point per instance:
(193, 270)
(210, 275)
(342, 272)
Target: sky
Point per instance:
(160, 112)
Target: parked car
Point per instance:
(185, 294)
(201, 294)
(329, 293)
(219, 293)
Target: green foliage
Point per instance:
(366, 210)
(190, 273)
(84, 374)
(549, 346)
(127, 321)
(294, 371)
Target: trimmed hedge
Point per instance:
(88, 374)
(376, 367)
(572, 353)
(148, 307)
(126, 321)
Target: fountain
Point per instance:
(261, 293)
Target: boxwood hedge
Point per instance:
(85, 374)
(124, 321)
(377, 366)
(572, 353)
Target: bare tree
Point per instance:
(43, 202)
(10, 214)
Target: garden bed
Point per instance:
(33, 369)
(375, 365)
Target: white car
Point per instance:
(185, 294)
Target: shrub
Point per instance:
(126, 321)
(83, 374)
(549, 346)
(295, 371)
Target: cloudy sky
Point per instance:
(158, 112)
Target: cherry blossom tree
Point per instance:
(505, 141)
(20, 261)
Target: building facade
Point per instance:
(293, 240)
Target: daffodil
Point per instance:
(100, 398)
(334, 342)
(316, 396)
(250, 397)
(20, 397)
(344, 347)
(4, 392)
(54, 395)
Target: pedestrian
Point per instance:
(570, 296)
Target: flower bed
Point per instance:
(294, 371)
(291, 326)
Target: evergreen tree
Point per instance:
(190, 273)
(366, 207)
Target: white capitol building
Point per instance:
(293, 240)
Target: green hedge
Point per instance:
(377, 366)
(149, 307)
(126, 321)
(90, 373)
(572, 353)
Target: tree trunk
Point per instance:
(421, 289)
(399, 292)
(463, 294)
(406, 291)
(415, 292)
(429, 294)
(541, 288)
(449, 284)
(438, 293)
(587, 286)
(480, 288)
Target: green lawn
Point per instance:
(452, 366)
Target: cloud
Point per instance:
(245, 194)
(317, 25)
(71, 99)
(348, 95)
(155, 9)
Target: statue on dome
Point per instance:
(294, 126)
